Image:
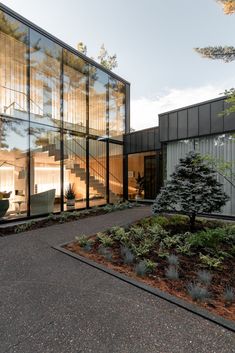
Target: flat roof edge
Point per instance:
(30, 24)
(193, 105)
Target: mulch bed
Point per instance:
(188, 268)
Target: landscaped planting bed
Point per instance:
(67, 216)
(161, 252)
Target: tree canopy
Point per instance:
(107, 61)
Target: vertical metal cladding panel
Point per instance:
(139, 141)
(217, 122)
(127, 109)
(229, 121)
(151, 139)
(144, 140)
(193, 121)
(182, 124)
(163, 124)
(157, 142)
(173, 126)
(204, 119)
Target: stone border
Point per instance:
(229, 325)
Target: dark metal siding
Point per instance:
(196, 120)
(142, 141)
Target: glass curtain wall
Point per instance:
(53, 106)
(221, 148)
(115, 172)
(138, 175)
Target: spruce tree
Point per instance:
(192, 189)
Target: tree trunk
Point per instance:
(192, 218)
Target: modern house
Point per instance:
(62, 121)
(65, 120)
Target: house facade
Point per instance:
(62, 121)
(65, 123)
(154, 153)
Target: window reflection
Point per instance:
(13, 63)
(98, 102)
(45, 71)
(13, 168)
(45, 157)
(116, 109)
(75, 168)
(115, 173)
(97, 172)
(75, 79)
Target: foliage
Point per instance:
(161, 220)
(197, 292)
(211, 262)
(24, 227)
(144, 248)
(104, 240)
(204, 277)
(193, 189)
(211, 238)
(140, 181)
(229, 295)
(173, 260)
(84, 242)
(226, 53)
(150, 266)
(70, 193)
(141, 268)
(109, 62)
(172, 273)
(228, 6)
(127, 255)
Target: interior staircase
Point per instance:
(96, 181)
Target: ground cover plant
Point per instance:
(162, 252)
(64, 217)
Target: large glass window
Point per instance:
(98, 105)
(53, 105)
(13, 168)
(75, 80)
(116, 109)
(45, 178)
(13, 67)
(97, 172)
(75, 169)
(115, 172)
(142, 178)
(45, 80)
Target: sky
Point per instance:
(153, 40)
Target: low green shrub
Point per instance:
(210, 238)
(150, 266)
(161, 220)
(105, 240)
(211, 262)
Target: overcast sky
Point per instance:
(153, 40)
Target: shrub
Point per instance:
(150, 266)
(192, 189)
(210, 238)
(82, 240)
(127, 255)
(229, 295)
(143, 249)
(161, 220)
(173, 260)
(137, 233)
(172, 273)
(204, 277)
(105, 240)
(197, 292)
(141, 269)
(211, 262)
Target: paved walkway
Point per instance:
(52, 303)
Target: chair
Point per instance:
(4, 205)
(42, 203)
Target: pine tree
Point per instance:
(193, 189)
